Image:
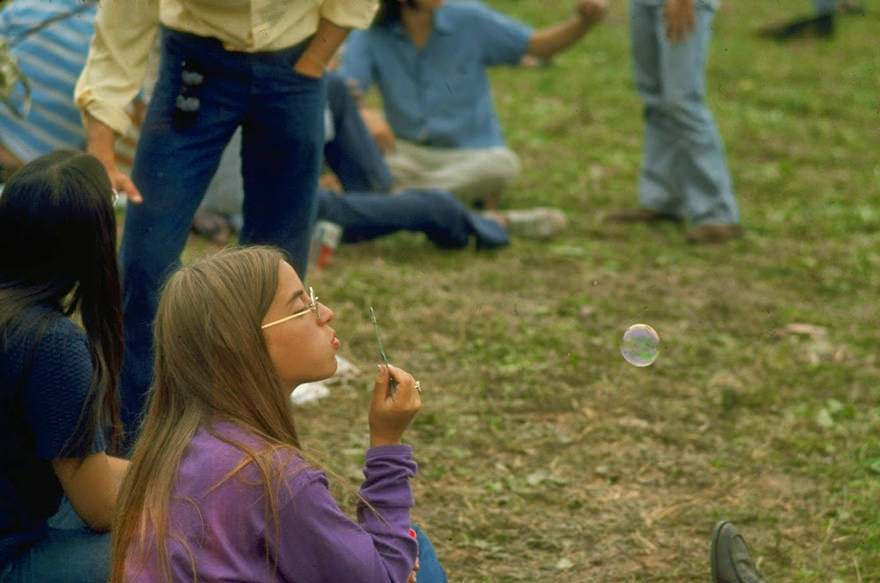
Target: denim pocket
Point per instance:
(306, 77)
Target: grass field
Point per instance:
(543, 454)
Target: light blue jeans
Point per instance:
(684, 172)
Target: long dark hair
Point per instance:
(58, 248)
(389, 12)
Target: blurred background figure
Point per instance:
(684, 173)
(819, 24)
(49, 42)
(429, 60)
(358, 196)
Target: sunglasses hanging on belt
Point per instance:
(186, 104)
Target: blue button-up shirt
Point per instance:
(439, 95)
(714, 4)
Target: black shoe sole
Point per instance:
(713, 550)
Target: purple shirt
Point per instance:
(226, 529)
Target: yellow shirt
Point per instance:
(126, 29)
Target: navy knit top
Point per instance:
(45, 374)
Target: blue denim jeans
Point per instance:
(684, 172)
(366, 211)
(70, 553)
(438, 214)
(352, 154)
(281, 116)
(430, 569)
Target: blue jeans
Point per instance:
(70, 553)
(281, 116)
(438, 214)
(366, 211)
(430, 569)
(684, 172)
(352, 154)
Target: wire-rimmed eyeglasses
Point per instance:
(313, 307)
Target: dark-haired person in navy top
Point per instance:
(57, 378)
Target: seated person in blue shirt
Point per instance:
(429, 60)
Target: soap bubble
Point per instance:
(640, 345)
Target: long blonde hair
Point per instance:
(211, 363)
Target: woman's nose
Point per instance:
(326, 313)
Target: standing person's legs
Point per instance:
(700, 168)
(657, 189)
(352, 153)
(438, 214)
(473, 175)
(282, 142)
(172, 168)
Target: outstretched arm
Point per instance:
(546, 42)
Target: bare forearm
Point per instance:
(327, 40)
(101, 140)
(546, 42)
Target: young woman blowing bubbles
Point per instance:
(219, 488)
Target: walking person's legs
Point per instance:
(658, 191)
(700, 170)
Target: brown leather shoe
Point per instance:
(709, 233)
(642, 214)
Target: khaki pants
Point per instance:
(473, 175)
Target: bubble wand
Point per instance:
(392, 384)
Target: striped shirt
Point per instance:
(51, 60)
